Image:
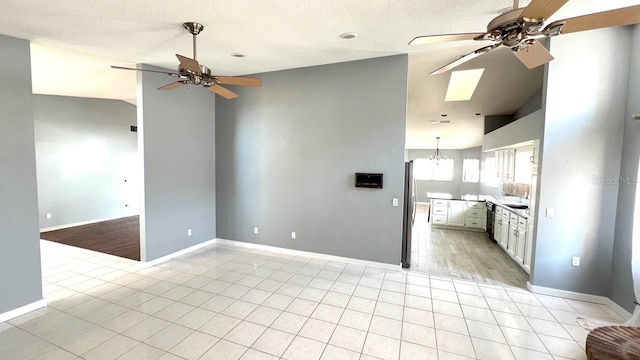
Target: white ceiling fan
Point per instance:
(520, 29)
(192, 72)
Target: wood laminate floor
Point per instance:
(461, 254)
(120, 237)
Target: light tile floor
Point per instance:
(232, 303)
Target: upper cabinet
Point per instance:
(514, 165)
(506, 164)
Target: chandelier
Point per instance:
(437, 156)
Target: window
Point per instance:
(430, 170)
(471, 170)
(489, 172)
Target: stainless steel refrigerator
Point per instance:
(409, 213)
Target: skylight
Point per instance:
(462, 84)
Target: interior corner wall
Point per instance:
(423, 187)
(584, 107)
(287, 154)
(465, 187)
(86, 159)
(176, 139)
(621, 290)
(20, 274)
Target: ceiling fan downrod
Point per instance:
(194, 29)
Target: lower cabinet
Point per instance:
(504, 230)
(513, 239)
(458, 213)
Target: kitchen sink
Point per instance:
(518, 207)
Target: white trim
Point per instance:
(146, 264)
(309, 254)
(66, 226)
(597, 299)
(22, 310)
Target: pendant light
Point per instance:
(438, 155)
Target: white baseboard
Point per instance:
(314, 255)
(66, 226)
(160, 260)
(597, 299)
(22, 310)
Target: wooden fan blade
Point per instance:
(534, 56)
(237, 80)
(189, 64)
(464, 59)
(173, 85)
(224, 92)
(431, 39)
(134, 69)
(542, 9)
(617, 17)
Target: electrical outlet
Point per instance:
(188, 232)
(550, 212)
(293, 234)
(394, 202)
(48, 216)
(575, 261)
(255, 230)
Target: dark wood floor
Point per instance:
(120, 237)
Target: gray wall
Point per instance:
(20, 276)
(287, 154)
(527, 128)
(621, 290)
(177, 139)
(585, 95)
(493, 122)
(84, 152)
(533, 104)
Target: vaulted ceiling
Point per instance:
(75, 41)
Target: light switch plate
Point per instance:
(255, 230)
(550, 212)
(395, 202)
(188, 232)
(293, 234)
(575, 261)
(48, 216)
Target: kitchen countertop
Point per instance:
(468, 197)
(503, 204)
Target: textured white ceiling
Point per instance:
(74, 41)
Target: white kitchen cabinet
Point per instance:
(528, 247)
(504, 230)
(510, 165)
(456, 213)
(513, 239)
(499, 164)
(505, 164)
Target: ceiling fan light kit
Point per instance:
(521, 28)
(191, 72)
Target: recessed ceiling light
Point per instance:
(462, 84)
(478, 113)
(348, 35)
(444, 115)
(238, 55)
(433, 121)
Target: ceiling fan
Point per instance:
(520, 28)
(192, 72)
